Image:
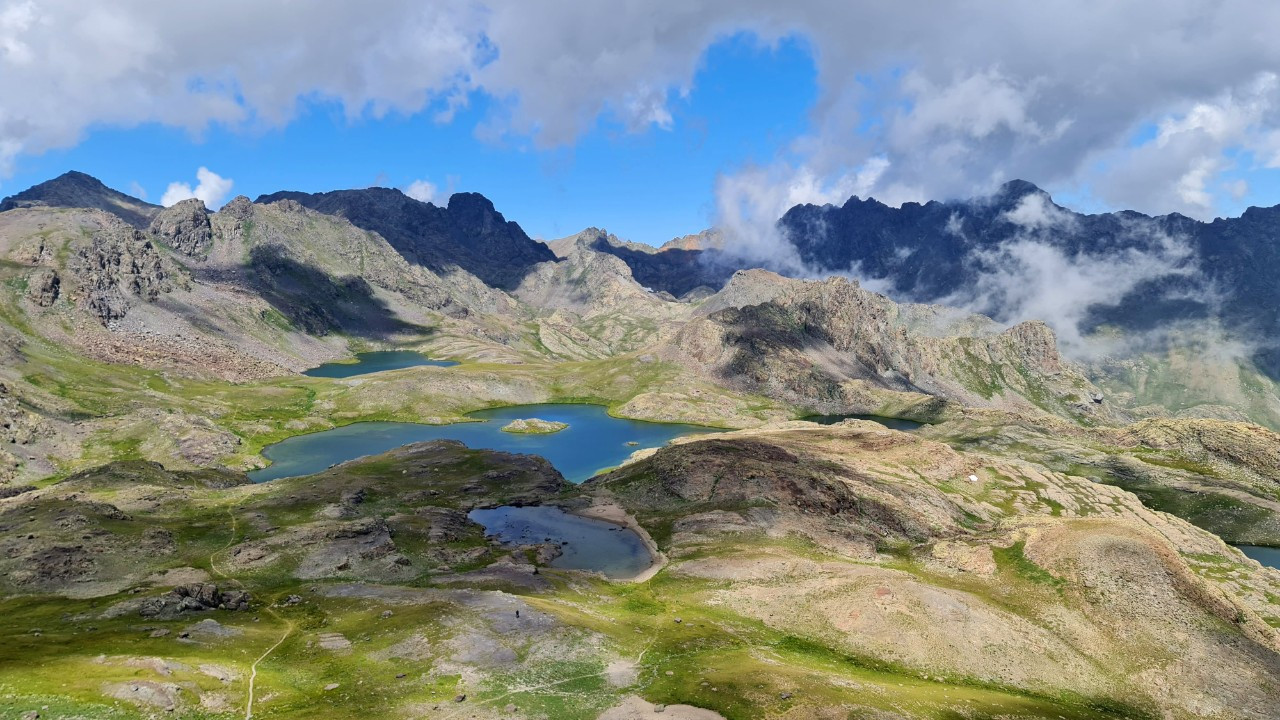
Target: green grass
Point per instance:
(1014, 561)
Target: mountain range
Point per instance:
(1090, 412)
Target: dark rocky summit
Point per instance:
(469, 233)
(78, 190)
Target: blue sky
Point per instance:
(748, 100)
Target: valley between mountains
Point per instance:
(1053, 534)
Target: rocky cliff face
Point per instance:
(805, 341)
(185, 227)
(117, 267)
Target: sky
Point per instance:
(651, 120)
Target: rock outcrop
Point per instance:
(117, 267)
(195, 597)
(185, 227)
(17, 425)
(43, 286)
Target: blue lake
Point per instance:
(1268, 556)
(586, 543)
(891, 423)
(593, 441)
(372, 362)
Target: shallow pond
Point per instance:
(593, 441)
(586, 543)
(372, 362)
(891, 423)
(1268, 556)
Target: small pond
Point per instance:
(586, 543)
(593, 441)
(1268, 556)
(891, 423)
(372, 362)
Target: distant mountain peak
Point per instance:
(1018, 189)
(75, 189)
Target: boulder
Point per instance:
(195, 597)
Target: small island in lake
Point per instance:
(534, 426)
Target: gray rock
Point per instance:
(185, 227)
(196, 597)
(118, 265)
(43, 286)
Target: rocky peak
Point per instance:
(240, 208)
(78, 190)
(1015, 190)
(185, 228)
(1035, 343)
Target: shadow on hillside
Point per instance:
(674, 270)
(318, 303)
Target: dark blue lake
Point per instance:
(891, 423)
(593, 441)
(586, 543)
(372, 362)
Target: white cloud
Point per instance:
(136, 190)
(750, 202)
(1037, 212)
(211, 188)
(1029, 278)
(427, 192)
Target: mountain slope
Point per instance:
(828, 345)
(884, 545)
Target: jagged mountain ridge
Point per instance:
(934, 252)
(468, 233)
(327, 279)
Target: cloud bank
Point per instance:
(1145, 104)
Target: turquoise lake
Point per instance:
(593, 441)
(586, 543)
(372, 362)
